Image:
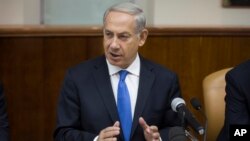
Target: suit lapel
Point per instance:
(145, 84)
(103, 82)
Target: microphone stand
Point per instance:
(190, 136)
(205, 132)
(196, 105)
(187, 133)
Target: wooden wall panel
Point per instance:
(59, 53)
(95, 46)
(22, 73)
(33, 62)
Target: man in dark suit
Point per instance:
(88, 105)
(237, 99)
(4, 124)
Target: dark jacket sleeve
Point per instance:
(68, 122)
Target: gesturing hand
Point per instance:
(110, 133)
(151, 133)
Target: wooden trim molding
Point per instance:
(48, 30)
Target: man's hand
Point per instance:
(110, 133)
(151, 133)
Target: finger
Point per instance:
(110, 132)
(154, 128)
(144, 125)
(156, 135)
(107, 139)
(116, 124)
(112, 128)
(154, 132)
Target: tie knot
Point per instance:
(123, 74)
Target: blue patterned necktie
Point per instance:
(124, 106)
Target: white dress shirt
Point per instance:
(132, 80)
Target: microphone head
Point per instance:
(195, 103)
(177, 134)
(176, 102)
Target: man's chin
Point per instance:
(114, 60)
(116, 63)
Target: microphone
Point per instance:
(177, 134)
(197, 105)
(178, 105)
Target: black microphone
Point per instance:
(178, 105)
(177, 134)
(197, 105)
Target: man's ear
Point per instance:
(143, 37)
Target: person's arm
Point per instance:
(68, 115)
(69, 118)
(4, 124)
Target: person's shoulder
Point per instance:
(1, 90)
(1, 86)
(86, 67)
(241, 69)
(157, 68)
(88, 64)
(240, 72)
(245, 66)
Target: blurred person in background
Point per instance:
(4, 124)
(237, 99)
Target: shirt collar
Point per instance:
(133, 68)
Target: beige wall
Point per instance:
(198, 12)
(159, 12)
(19, 11)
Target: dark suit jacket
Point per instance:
(237, 98)
(87, 104)
(4, 124)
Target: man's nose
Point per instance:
(114, 43)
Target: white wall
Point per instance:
(198, 13)
(159, 12)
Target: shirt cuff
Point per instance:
(95, 139)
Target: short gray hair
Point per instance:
(132, 9)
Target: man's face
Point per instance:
(120, 42)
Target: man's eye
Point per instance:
(123, 37)
(108, 34)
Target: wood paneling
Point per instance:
(34, 60)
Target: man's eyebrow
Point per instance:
(106, 30)
(121, 33)
(124, 33)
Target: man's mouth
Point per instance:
(114, 55)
